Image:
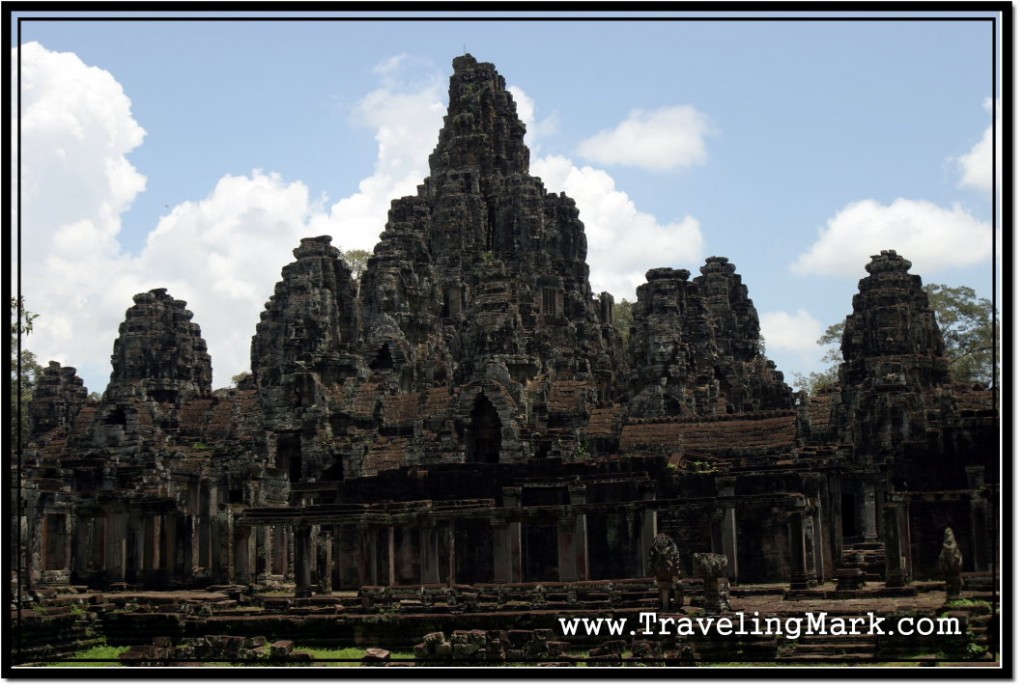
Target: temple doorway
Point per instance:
(849, 515)
(483, 437)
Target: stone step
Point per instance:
(870, 544)
(835, 649)
(819, 639)
(830, 658)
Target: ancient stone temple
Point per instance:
(465, 412)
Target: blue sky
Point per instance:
(194, 155)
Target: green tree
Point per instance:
(818, 382)
(25, 371)
(243, 380)
(970, 331)
(622, 317)
(357, 261)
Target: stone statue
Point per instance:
(951, 563)
(663, 564)
(711, 568)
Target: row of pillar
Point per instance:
(125, 546)
(327, 552)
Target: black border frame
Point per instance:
(220, 11)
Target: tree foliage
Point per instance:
(243, 380)
(357, 261)
(622, 317)
(24, 371)
(818, 382)
(969, 329)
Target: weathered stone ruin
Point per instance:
(466, 413)
(663, 564)
(951, 564)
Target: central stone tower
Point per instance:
(483, 268)
(473, 331)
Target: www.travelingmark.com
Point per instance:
(808, 624)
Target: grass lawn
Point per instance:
(97, 656)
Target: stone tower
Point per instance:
(748, 380)
(160, 351)
(483, 266)
(894, 380)
(59, 396)
(696, 347)
(473, 329)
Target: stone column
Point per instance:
(204, 527)
(340, 556)
(117, 546)
(303, 566)
(567, 550)
(450, 531)
(83, 547)
(194, 539)
(648, 529)
(508, 544)
(135, 547)
(578, 497)
(502, 553)
(169, 526)
(430, 555)
(347, 556)
(290, 558)
(868, 517)
(391, 556)
(897, 544)
(261, 554)
(981, 533)
(726, 487)
(227, 559)
(70, 525)
(812, 491)
(220, 544)
(324, 562)
(797, 552)
(183, 547)
(243, 571)
(279, 541)
(368, 572)
(147, 543)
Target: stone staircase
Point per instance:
(861, 647)
(867, 556)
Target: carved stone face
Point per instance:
(387, 290)
(663, 348)
(663, 295)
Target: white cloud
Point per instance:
(623, 242)
(658, 140)
(794, 333)
(932, 237)
(222, 254)
(976, 165)
(76, 130)
(526, 108)
(407, 113)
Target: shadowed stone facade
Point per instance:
(465, 412)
